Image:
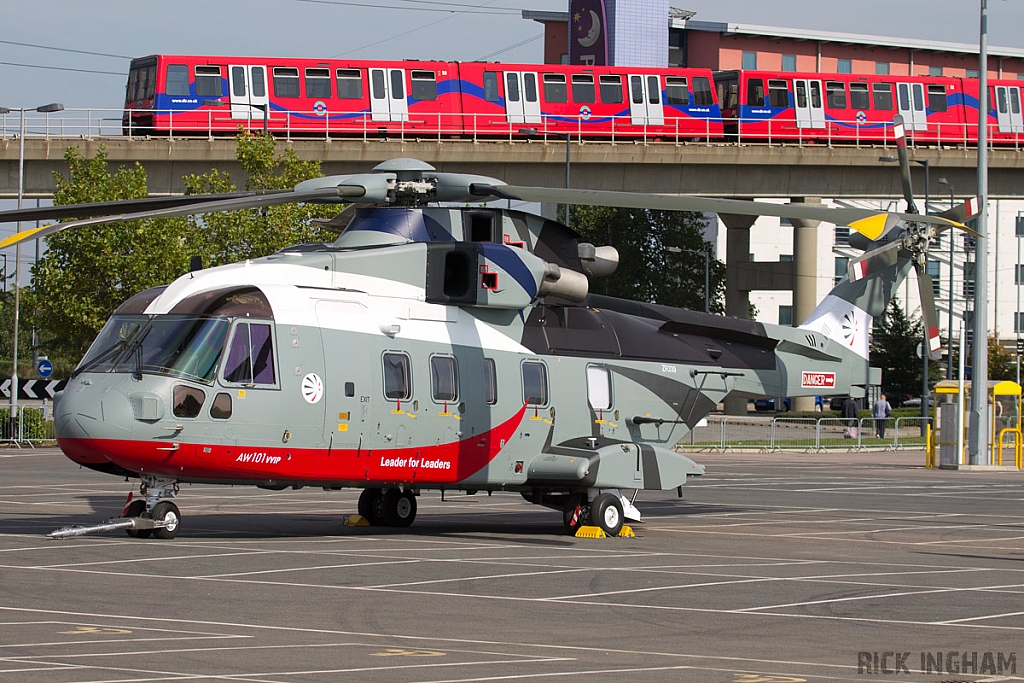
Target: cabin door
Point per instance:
(645, 106)
(1008, 112)
(808, 104)
(249, 98)
(522, 102)
(911, 104)
(387, 95)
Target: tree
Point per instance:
(648, 270)
(1002, 364)
(895, 343)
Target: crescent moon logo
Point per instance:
(594, 33)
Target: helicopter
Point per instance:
(440, 347)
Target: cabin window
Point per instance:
(251, 355)
(424, 85)
(444, 379)
(208, 82)
(220, 409)
(937, 98)
(859, 96)
(177, 80)
(676, 91)
(397, 377)
(583, 88)
(882, 95)
(755, 92)
(702, 96)
(188, 401)
(490, 381)
(318, 83)
(535, 383)
(286, 81)
(611, 89)
(599, 387)
(491, 93)
(554, 88)
(350, 84)
(778, 93)
(835, 94)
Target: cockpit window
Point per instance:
(251, 355)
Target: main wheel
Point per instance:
(606, 512)
(370, 506)
(574, 515)
(137, 508)
(399, 508)
(168, 514)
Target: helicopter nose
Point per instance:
(92, 412)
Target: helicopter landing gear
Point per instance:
(165, 516)
(606, 512)
(392, 507)
(575, 513)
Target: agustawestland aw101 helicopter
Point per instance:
(440, 348)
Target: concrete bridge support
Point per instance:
(805, 272)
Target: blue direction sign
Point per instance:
(45, 368)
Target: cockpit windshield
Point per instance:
(187, 346)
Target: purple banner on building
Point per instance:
(588, 33)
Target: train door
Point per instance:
(645, 106)
(249, 98)
(1008, 112)
(911, 104)
(387, 95)
(522, 102)
(809, 106)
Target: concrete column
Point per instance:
(737, 301)
(805, 272)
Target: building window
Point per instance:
(785, 258)
(785, 315)
(974, 73)
(841, 267)
(750, 61)
(932, 268)
(968, 288)
(789, 62)
(882, 68)
(1018, 322)
(842, 235)
(844, 66)
(1020, 274)
(935, 71)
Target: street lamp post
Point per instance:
(949, 338)
(1019, 231)
(707, 273)
(45, 109)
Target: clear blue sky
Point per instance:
(456, 29)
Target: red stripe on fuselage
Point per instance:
(435, 464)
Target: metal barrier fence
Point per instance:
(727, 433)
(33, 425)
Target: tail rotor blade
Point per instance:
(931, 318)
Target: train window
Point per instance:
(221, 407)
(801, 94)
(583, 88)
(318, 82)
(554, 88)
(490, 381)
(676, 91)
(187, 401)
(918, 95)
(530, 87)
(397, 84)
(835, 93)
(882, 95)
(377, 84)
(937, 98)
(177, 80)
(151, 85)
(350, 84)
(859, 96)
(208, 83)
(611, 89)
(653, 90)
(636, 89)
(424, 85)
(755, 92)
(259, 82)
(397, 377)
(129, 91)
(778, 93)
(904, 95)
(286, 81)
(251, 355)
(238, 81)
(491, 93)
(512, 87)
(702, 96)
(535, 383)
(1000, 99)
(444, 379)
(1014, 100)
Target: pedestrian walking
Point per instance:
(881, 411)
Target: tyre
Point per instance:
(399, 508)
(137, 508)
(370, 506)
(606, 512)
(168, 514)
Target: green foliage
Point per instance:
(1002, 364)
(894, 347)
(647, 270)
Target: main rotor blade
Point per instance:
(900, 132)
(871, 223)
(964, 212)
(931, 317)
(874, 261)
(53, 213)
(286, 197)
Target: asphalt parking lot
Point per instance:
(775, 568)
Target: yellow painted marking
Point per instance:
(343, 416)
(395, 652)
(397, 412)
(22, 236)
(600, 422)
(95, 630)
(441, 414)
(550, 422)
(241, 394)
(412, 415)
(612, 424)
(457, 417)
(758, 678)
(342, 427)
(871, 227)
(536, 418)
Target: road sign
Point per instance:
(45, 367)
(34, 389)
(1020, 346)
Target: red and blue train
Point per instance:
(179, 95)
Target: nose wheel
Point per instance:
(152, 513)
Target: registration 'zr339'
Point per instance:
(668, 368)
